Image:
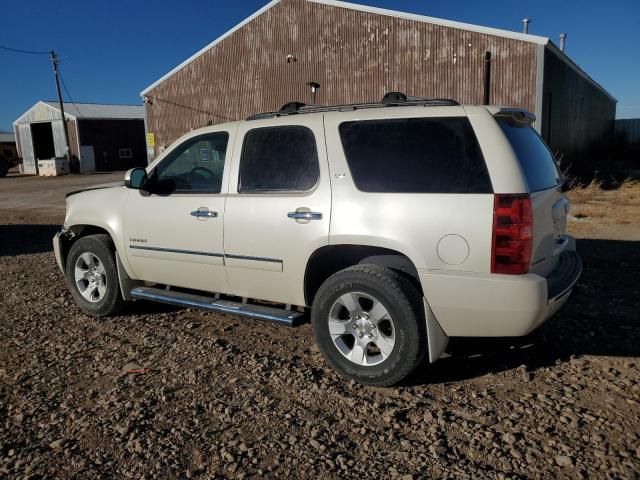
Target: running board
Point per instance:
(260, 312)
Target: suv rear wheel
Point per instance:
(368, 323)
(92, 275)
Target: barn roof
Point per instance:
(7, 137)
(48, 110)
(97, 111)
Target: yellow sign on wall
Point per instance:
(151, 140)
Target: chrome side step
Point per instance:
(260, 312)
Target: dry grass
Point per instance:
(606, 213)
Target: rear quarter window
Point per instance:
(537, 162)
(415, 155)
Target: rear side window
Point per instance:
(536, 159)
(415, 155)
(278, 159)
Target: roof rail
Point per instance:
(390, 99)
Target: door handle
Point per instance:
(204, 213)
(305, 215)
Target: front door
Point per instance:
(278, 208)
(175, 237)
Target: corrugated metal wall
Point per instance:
(628, 129)
(355, 56)
(26, 148)
(577, 117)
(59, 141)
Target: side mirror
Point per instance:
(565, 186)
(135, 178)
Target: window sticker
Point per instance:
(204, 155)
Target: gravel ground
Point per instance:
(217, 396)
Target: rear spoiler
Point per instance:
(516, 114)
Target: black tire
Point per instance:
(4, 167)
(404, 305)
(101, 246)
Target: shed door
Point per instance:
(26, 145)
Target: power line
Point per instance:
(66, 90)
(17, 50)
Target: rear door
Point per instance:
(278, 208)
(550, 206)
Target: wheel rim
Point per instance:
(90, 277)
(362, 329)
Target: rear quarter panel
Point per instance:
(413, 224)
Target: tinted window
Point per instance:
(197, 165)
(415, 155)
(536, 159)
(278, 158)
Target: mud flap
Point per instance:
(126, 283)
(436, 338)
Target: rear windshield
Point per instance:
(415, 155)
(536, 159)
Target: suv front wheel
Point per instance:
(92, 275)
(368, 323)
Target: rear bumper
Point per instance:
(479, 305)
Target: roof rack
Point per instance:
(390, 99)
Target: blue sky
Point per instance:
(112, 49)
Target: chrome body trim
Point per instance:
(204, 213)
(206, 254)
(305, 215)
(256, 259)
(176, 250)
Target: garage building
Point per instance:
(357, 53)
(101, 137)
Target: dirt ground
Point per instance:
(226, 397)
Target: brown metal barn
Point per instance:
(357, 53)
(101, 137)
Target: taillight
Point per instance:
(512, 234)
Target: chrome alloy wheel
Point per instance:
(90, 277)
(361, 328)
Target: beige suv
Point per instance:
(395, 224)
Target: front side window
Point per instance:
(197, 165)
(283, 158)
(415, 155)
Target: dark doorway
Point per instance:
(42, 135)
(117, 144)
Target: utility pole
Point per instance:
(54, 61)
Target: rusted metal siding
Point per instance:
(74, 153)
(355, 56)
(577, 117)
